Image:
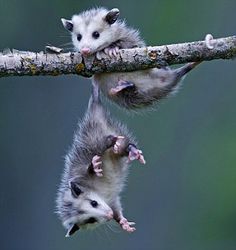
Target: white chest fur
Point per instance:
(115, 171)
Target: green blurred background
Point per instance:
(184, 198)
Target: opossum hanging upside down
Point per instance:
(96, 168)
(98, 31)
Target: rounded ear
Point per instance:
(75, 189)
(112, 16)
(72, 230)
(68, 25)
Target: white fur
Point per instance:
(83, 203)
(92, 20)
(151, 85)
(88, 22)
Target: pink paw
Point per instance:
(112, 51)
(116, 90)
(118, 146)
(121, 85)
(126, 225)
(97, 165)
(136, 154)
(100, 55)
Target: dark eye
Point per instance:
(94, 203)
(79, 37)
(95, 35)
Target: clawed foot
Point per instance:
(118, 146)
(135, 154)
(97, 165)
(127, 225)
(121, 85)
(110, 51)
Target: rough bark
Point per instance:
(21, 63)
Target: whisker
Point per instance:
(64, 35)
(106, 232)
(98, 232)
(68, 50)
(113, 227)
(65, 44)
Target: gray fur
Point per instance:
(90, 139)
(150, 86)
(122, 36)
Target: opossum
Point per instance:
(98, 31)
(96, 168)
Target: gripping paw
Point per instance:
(118, 146)
(112, 51)
(127, 225)
(97, 165)
(135, 154)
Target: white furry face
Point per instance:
(87, 210)
(91, 31)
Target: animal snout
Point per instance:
(85, 51)
(110, 215)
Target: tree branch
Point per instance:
(21, 63)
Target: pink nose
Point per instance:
(109, 215)
(85, 51)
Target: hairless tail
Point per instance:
(186, 68)
(95, 92)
